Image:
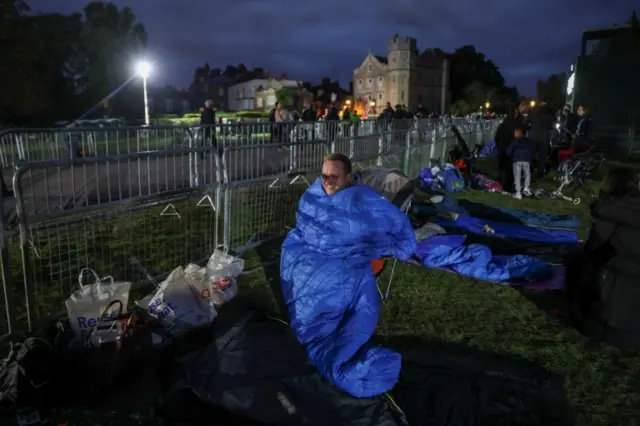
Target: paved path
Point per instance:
(63, 188)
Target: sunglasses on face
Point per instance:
(331, 178)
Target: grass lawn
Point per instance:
(603, 384)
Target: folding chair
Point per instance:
(402, 200)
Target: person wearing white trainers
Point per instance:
(522, 151)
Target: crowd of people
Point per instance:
(529, 140)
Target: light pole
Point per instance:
(143, 71)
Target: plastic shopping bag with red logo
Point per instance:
(218, 281)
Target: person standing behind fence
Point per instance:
(503, 137)
(283, 119)
(522, 151)
(309, 116)
(273, 130)
(332, 120)
(208, 124)
(542, 119)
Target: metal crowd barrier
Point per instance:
(162, 196)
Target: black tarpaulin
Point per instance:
(255, 369)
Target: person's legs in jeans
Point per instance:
(526, 171)
(517, 173)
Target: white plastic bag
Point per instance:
(221, 277)
(84, 306)
(178, 305)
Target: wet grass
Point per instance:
(602, 383)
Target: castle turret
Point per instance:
(403, 52)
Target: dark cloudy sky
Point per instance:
(527, 39)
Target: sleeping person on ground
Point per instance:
(328, 283)
(603, 281)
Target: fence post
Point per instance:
(380, 160)
(432, 151)
(5, 266)
(407, 153)
(226, 220)
(24, 242)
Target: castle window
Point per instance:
(402, 95)
(379, 96)
(380, 82)
(359, 84)
(370, 83)
(369, 68)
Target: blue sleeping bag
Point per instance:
(508, 214)
(329, 287)
(509, 230)
(477, 261)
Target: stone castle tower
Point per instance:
(402, 56)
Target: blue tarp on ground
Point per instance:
(477, 261)
(329, 287)
(509, 230)
(508, 215)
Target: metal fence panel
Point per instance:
(111, 199)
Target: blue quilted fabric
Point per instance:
(329, 287)
(510, 230)
(477, 261)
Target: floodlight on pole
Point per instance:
(144, 68)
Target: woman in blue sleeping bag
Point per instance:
(327, 282)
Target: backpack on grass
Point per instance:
(451, 179)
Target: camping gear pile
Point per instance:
(242, 366)
(445, 177)
(102, 340)
(507, 246)
(449, 178)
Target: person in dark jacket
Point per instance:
(208, 122)
(388, 113)
(522, 152)
(570, 120)
(603, 282)
(332, 119)
(421, 112)
(273, 126)
(309, 117)
(583, 127)
(503, 137)
(541, 121)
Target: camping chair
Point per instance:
(396, 187)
